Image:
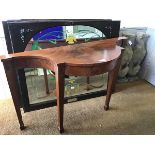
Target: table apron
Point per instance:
(20, 63)
(91, 70)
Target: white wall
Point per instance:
(132, 13)
(148, 68)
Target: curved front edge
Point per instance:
(90, 70)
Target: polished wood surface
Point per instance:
(85, 59)
(79, 54)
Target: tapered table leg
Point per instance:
(88, 83)
(14, 88)
(112, 78)
(46, 81)
(60, 75)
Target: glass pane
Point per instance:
(73, 85)
(87, 32)
(37, 87)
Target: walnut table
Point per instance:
(85, 59)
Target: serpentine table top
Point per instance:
(79, 54)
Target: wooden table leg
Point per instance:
(14, 88)
(46, 81)
(60, 76)
(88, 83)
(112, 78)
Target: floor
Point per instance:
(132, 112)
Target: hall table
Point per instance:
(84, 59)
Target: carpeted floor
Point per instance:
(132, 112)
